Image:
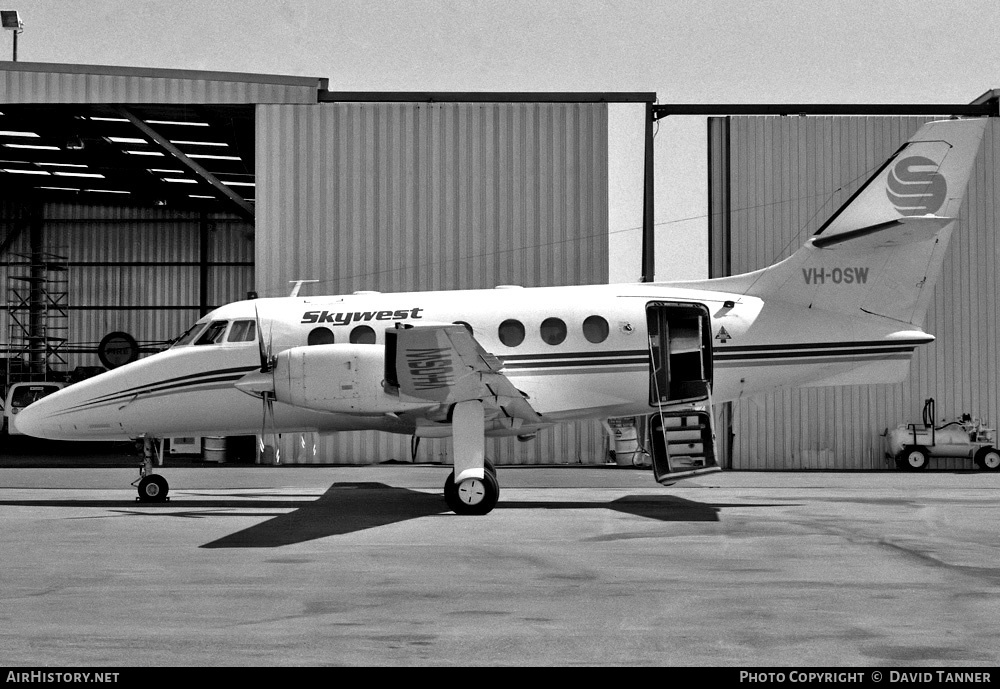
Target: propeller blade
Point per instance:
(264, 355)
(268, 452)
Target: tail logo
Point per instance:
(915, 187)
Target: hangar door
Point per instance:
(428, 196)
(773, 182)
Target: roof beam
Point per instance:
(101, 165)
(243, 207)
(485, 97)
(944, 110)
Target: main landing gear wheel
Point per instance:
(914, 458)
(153, 488)
(473, 495)
(988, 459)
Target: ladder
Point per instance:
(38, 316)
(682, 440)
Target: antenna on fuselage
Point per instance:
(298, 285)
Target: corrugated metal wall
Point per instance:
(132, 269)
(36, 83)
(786, 176)
(406, 196)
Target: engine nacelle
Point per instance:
(337, 378)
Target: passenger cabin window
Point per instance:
(362, 335)
(213, 333)
(242, 331)
(553, 331)
(596, 329)
(320, 336)
(511, 332)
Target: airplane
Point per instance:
(845, 308)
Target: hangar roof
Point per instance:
(185, 139)
(104, 135)
(166, 155)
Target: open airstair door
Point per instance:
(680, 433)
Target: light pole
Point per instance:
(12, 22)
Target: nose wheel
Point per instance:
(153, 488)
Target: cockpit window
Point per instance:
(189, 335)
(213, 333)
(242, 331)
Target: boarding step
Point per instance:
(683, 443)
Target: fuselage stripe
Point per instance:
(724, 356)
(227, 375)
(827, 353)
(817, 359)
(211, 384)
(575, 355)
(723, 348)
(560, 364)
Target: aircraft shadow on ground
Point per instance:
(347, 508)
(339, 511)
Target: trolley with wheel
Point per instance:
(913, 445)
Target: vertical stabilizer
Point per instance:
(881, 252)
(927, 176)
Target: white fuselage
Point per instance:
(190, 389)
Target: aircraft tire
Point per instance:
(472, 496)
(915, 458)
(153, 488)
(988, 459)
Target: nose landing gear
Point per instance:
(152, 487)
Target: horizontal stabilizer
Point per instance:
(905, 230)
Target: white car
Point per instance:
(20, 395)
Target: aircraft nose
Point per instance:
(36, 420)
(67, 415)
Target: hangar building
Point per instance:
(132, 201)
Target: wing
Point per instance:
(445, 364)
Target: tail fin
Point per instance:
(882, 251)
